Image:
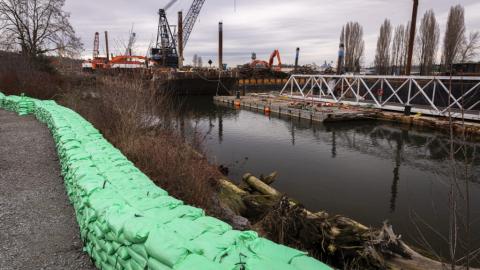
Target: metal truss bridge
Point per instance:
(458, 97)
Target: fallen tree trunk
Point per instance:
(336, 240)
(260, 186)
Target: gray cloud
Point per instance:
(256, 26)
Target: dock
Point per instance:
(309, 110)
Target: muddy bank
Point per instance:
(336, 240)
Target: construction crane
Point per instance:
(131, 41)
(164, 53)
(190, 19)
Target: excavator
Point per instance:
(260, 64)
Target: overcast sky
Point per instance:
(255, 26)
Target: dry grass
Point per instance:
(34, 77)
(131, 115)
(143, 125)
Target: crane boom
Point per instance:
(190, 19)
(131, 41)
(169, 4)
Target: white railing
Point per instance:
(458, 97)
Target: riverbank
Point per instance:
(150, 131)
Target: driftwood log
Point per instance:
(334, 239)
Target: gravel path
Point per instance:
(38, 229)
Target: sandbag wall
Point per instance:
(127, 222)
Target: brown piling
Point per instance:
(220, 45)
(411, 40)
(180, 39)
(106, 46)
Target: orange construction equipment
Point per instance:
(260, 64)
(126, 61)
(274, 54)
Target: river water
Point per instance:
(369, 171)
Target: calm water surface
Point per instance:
(369, 171)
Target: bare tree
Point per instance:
(352, 37)
(428, 38)
(195, 60)
(382, 56)
(454, 36)
(38, 27)
(399, 49)
(471, 47)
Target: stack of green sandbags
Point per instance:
(10, 102)
(127, 222)
(2, 97)
(24, 106)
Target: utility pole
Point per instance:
(411, 41)
(180, 39)
(220, 45)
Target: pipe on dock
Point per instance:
(106, 46)
(296, 58)
(220, 45)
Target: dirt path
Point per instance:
(37, 223)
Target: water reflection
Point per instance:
(366, 170)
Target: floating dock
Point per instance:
(318, 111)
(310, 110)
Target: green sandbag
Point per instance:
(187, 228)
(136, 229)
(146, 203)
(140, 249)
(211, 245)
(198, 262)
(166, 247)
(123, 253)
(262, 263)
(101, 199)
(164, 215)
(308, 263)
(90, 183)
(265, 248)
(113, 261)
(138, 258)
(213, 224)
(107, 266)
(117, 215)
(135, 266)
(107, 247)
(156, 265)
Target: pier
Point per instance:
(284, 106)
